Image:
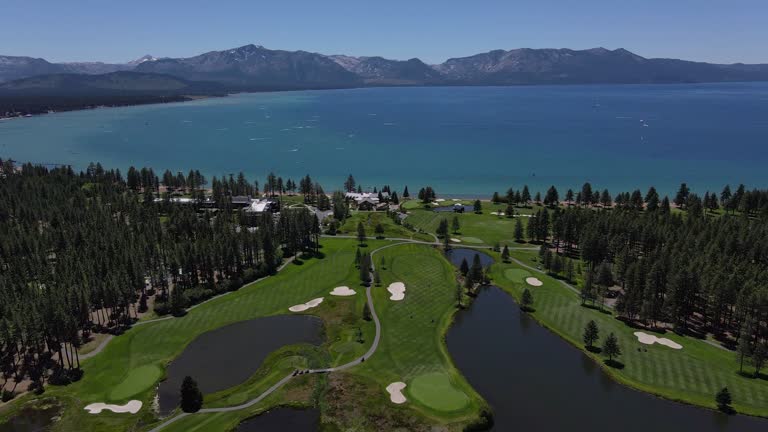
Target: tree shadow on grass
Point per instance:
(596, 308)
(614, 364)
(594, 349)
(752, 375)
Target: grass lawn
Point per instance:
(412, 346)
(371, 219)
(693, 374)
(132, 363)
(482, 228)
(412, 349)
(435, 390)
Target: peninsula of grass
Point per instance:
(412, 348)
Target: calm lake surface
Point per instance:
(460, 140)
(537, 382)
(455, 256)
(227, 356)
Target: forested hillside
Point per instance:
(84, 252)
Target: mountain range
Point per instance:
(255, 68)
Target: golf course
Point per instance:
(381, 362)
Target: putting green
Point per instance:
(471, 240)
(436, 391)
(135, 382)
(516, 275)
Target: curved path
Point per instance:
(368, 354)
(282, 382)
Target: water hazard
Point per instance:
(227, 356)
(536, 381)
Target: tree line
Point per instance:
(691, 270)
(88, 252)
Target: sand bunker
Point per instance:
(131, 407)
(343, 291)
(532, 281)
(397, 289)
(645, 338)
(497, 213)
(455, 240)
(308, 305)
(395, 391)
(440, 200)
(455, 200)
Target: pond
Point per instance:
(227, 356)
(32, 419)
(450, 208)
(282, 420)
(456, 255)
(536, 381)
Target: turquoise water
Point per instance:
(460, 140)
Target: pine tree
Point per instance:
(442, 228)
(455, 225)
(361, 236)
(526, 300)
(759, 356)
(519, 236)
(591, 334)
(611, 347)
(464, 267)
(505, 254)
(191, 397)
(478, 207)
(459, 296)
(569, 271)
(744, 350)
(723, 400)
(365, 270)
(476, 271)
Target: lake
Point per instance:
(463, 141)
(536, 381)
(229, 355)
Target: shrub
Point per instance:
(162, 308)
(7, 395)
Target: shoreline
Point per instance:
(192, 98)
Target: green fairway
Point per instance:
(436, 391)
(693, 374)
(412, 341)
(474, 228)
(371, 219)
(129, 365)
(411, 345)
(135, 382)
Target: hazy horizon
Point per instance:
(707, 31)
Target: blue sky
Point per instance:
(116, 31)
